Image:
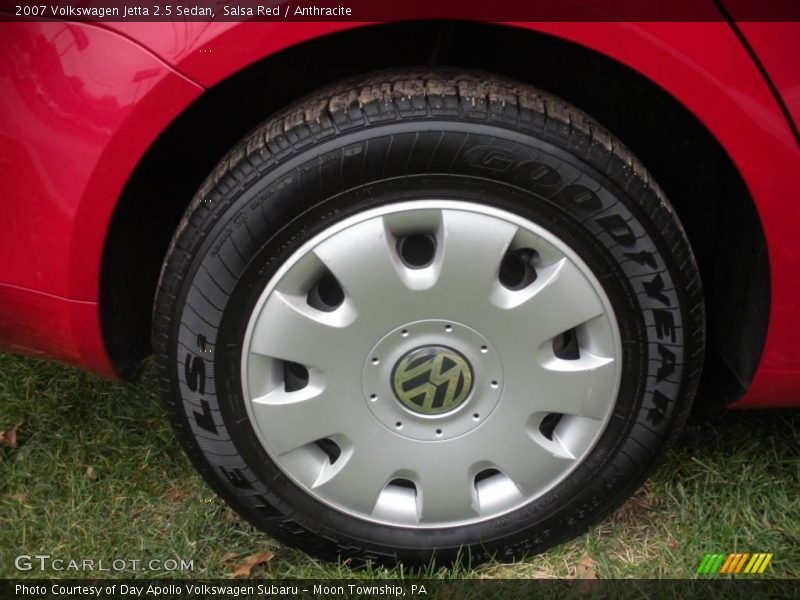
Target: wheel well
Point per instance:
(697, 175)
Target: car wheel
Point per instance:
(428, 315)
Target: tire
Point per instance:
(427, 316)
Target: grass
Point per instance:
(96, 473)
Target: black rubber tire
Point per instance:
(406, 134)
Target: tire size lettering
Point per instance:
(667, 367)
(665, 324)
(195, 373)
(618, 229)
(655, 289)
(643, 258)
(236, 477)
(657, 413)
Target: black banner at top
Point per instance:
(400, 10)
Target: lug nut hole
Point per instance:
(417, 251)
(326, 294)
(518, 269)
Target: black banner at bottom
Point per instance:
(455, 589)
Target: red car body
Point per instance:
(81, 104)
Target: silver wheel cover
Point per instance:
(423, 452)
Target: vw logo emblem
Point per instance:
(432, 380)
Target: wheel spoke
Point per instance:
(292, 419)
(364, 264)
(528, 463)
(560, 299)
(581, 387)
(444, 486)
(471, 251)
(289, 329)
(356, 479)
(575, 387)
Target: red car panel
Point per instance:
(73, 128)
(774, 44)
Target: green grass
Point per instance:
(732, 485)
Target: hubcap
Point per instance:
(420, 346)
(431, 363)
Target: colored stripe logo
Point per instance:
(734, 563)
